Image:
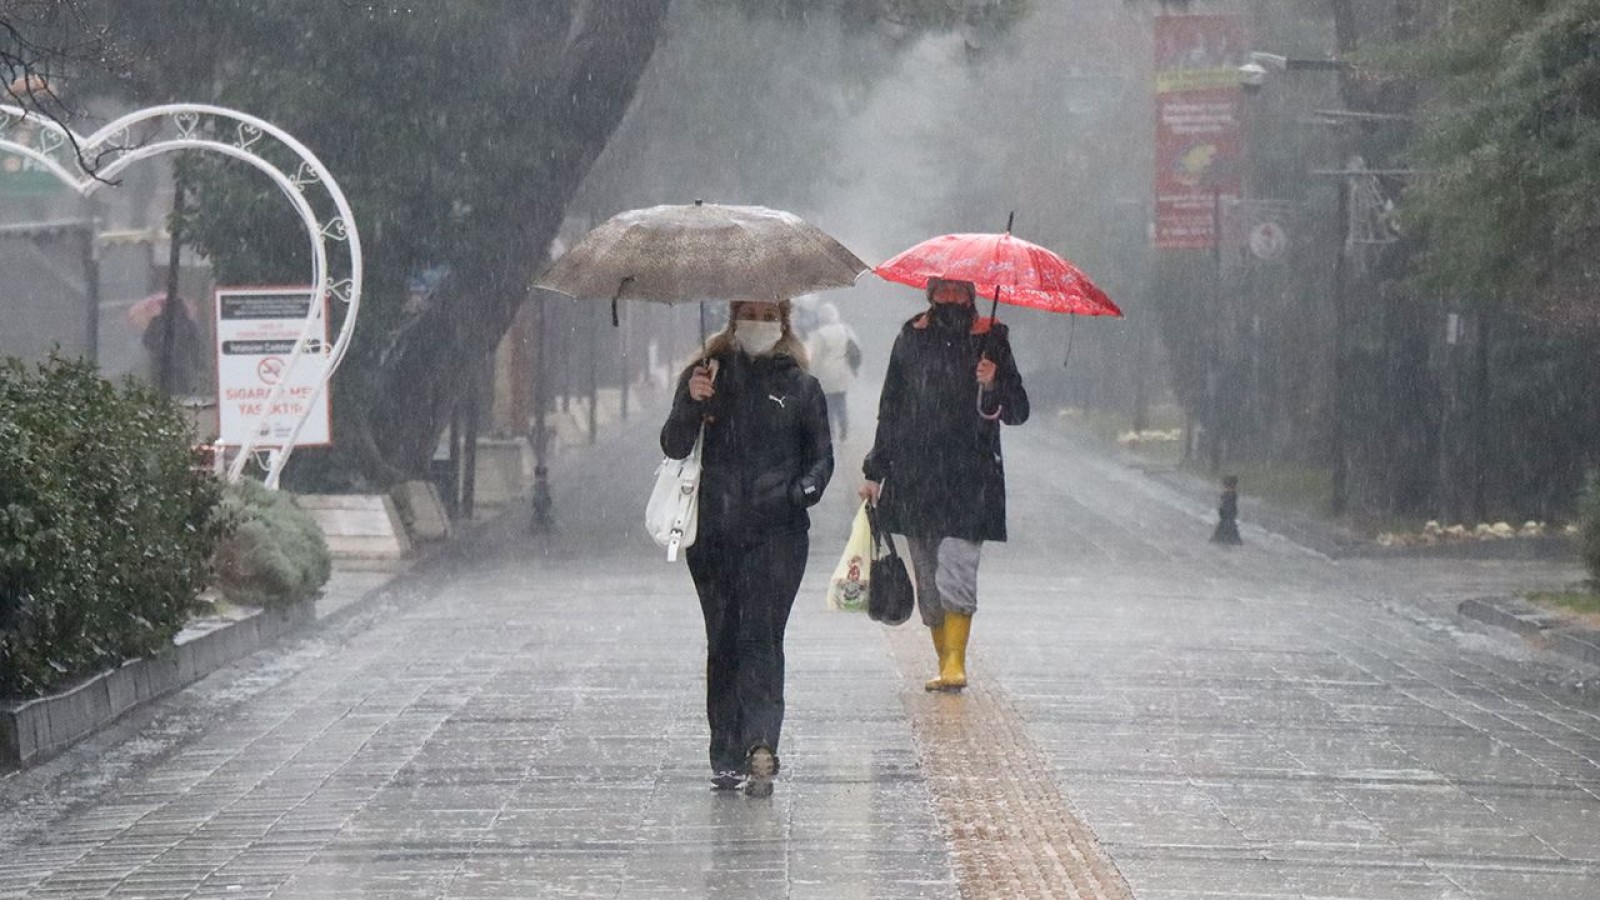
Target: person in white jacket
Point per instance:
(835, 359)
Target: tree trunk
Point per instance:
(1481, 455)
(607, 48)
(1338, 403)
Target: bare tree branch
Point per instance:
(38, 40)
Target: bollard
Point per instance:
(1228, 513)
(543, 503)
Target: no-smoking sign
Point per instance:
(270, 370)
(258, 395)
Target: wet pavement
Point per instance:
(1152, 716)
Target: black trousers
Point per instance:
(746, 593)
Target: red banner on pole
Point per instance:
(1198, 145)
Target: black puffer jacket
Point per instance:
(768, 454)
(939, 461)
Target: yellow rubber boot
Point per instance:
(942, 648)
(953, 670)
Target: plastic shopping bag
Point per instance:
(848, 588)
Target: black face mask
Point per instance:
(952, 316)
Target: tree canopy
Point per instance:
(460, 130)
(1510, 202)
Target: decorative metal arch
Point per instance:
(191, 126)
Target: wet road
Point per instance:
(1151, 717)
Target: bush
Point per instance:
(105, 527)
(1589, 525)
(274, 554)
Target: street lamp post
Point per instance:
(543, 503)
(1214, 413)
(1339, 477)
(1252, 77)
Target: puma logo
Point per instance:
(778, 400)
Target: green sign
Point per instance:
(21, 175)
(24, 177)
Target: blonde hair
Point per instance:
(788, 345)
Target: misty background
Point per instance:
(1404, 356)
(884, 145)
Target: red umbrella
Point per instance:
(1008, 269)
(143, 312)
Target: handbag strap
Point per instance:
(881, 540)
(680, 522)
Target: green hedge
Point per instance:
(105, 528)
(274, 554)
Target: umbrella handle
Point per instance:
(994, 309)
(994, 316)
(616, 320)
(989, 417)
(702, 325)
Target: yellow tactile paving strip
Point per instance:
(1010, 829)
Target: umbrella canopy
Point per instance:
(1003, 267)
(142, 312)
(672, 254)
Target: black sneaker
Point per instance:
(726, 780)
(762, 766)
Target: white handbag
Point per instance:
(673, 514)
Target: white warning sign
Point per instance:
(256, 332)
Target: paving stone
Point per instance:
(524, 719)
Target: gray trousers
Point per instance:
(947, 576)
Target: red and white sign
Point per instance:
(1268, 240)
(1198, 145)
(256, 333)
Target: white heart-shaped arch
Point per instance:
(151, 132)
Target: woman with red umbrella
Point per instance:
(935, 470)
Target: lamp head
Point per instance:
(1252, 76)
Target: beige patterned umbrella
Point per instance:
(674, 254)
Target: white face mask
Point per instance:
(758, 338)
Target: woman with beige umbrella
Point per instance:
(760, 424)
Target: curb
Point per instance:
(1323, 537)
(1528, 621)
(1549, 548)
(35, 729)
(1338, 542)
(31, 730)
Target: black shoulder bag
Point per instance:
(890, 598)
